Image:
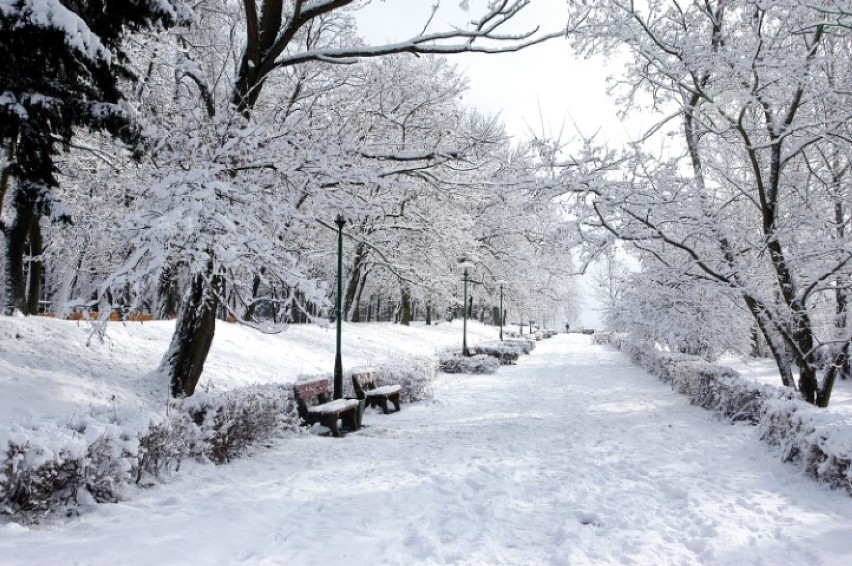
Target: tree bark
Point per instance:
(17, 233)
(405, 314)
(354, 285)
(35, 267)
(196, 325)
(167, 295)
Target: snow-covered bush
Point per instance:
(601, 338)
(234, 420)
(416, 375)
(455, 363)
(526, 346)
(55, 465)
(819, 439)
(507, 354)
(707, 385)
(58, 465)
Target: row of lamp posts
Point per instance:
(466, 266)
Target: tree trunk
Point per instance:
(196, 324)
(356, 312)
(776, 346)
(405, 314)
(355, 285)
(35, 267)
(17, 233)
(167, 295)
(255, 291)
(429, 313)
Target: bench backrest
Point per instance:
(305, 391)
(364, 381)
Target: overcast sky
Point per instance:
(546, 81)
(543, 89)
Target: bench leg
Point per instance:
(332, 424)
(383, 403)
(350, 419)
(395, 401)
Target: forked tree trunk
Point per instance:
(196, 324)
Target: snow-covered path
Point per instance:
(571, 457)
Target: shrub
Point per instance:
(456, 363)
(506, 353)
(61, 465)
(526, 346)
(416, 375)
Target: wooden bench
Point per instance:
(315, 407)
(367, 389)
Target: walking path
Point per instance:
(571, 457)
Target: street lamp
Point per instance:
(465, 266)
(501, 282)
(338, 362)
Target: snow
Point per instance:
(51, 14)
(382, 391)
(573, 456)
(48, 371)
(333, 406)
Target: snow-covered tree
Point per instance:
(279, 44)
(62, 68)
(747, 200)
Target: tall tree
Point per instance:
(276, 42)
(744, 86)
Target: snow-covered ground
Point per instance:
(573, 456)
(50, 368)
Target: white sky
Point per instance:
(545, 83)
(543, 89)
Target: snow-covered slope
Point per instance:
(52, 368)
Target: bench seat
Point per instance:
(366, 388)
(333, 407)
(383, 391)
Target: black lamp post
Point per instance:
(338, 362)
(465, 266)
(501, 283)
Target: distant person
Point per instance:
(567, 328)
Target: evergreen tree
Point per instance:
(62, 68)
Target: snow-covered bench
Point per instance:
(366, 388)
(314, 406)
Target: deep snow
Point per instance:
(571, 457)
